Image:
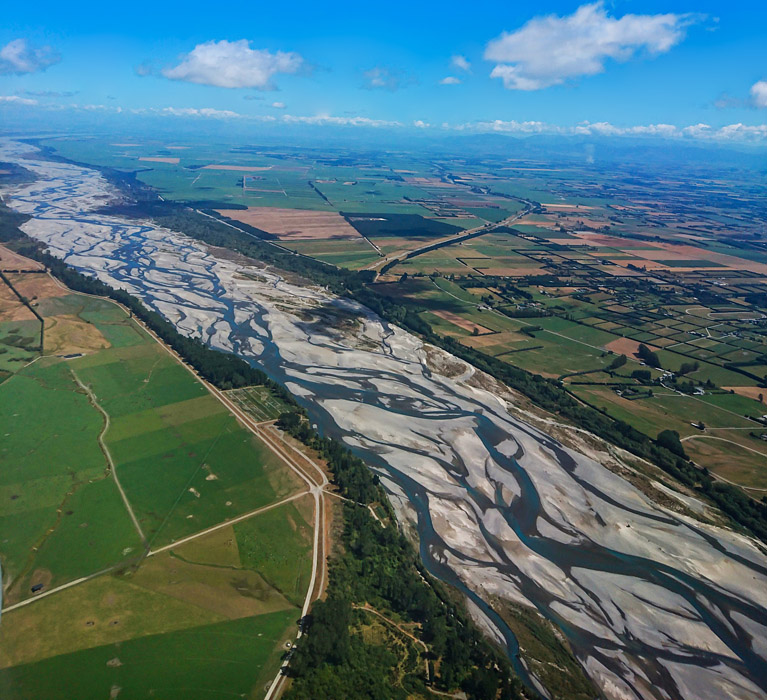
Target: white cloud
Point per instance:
(326, 119)
(550, 50)
(513, 126)
(99, 108)
(16, 100)
(420, 124)
(450, 80)
(759, 93)
(460, 63)
(731, 132)
(740, 132)
(18, 57)
(207, 112)
(233, 64)
(381, 78)
(278, 105)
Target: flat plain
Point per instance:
(603, 260)
(134, 455)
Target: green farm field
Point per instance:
(586, 274)
(116, 405)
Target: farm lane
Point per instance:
(102, 444)
(315, 486)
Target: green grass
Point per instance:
(285, 563)
(663, 411)
(161, 627)
(719, 375)
(94, 532)
(190, 467)
(136, 378)
(559, 356)
(741, 405)
(183, 460)
(577, 331)
(19, 343)
(259, 402)
(45, 470)
(223, 660)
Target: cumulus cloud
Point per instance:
(759, 93)
(233, 64)
(381, 78)
(550, 50)
(18, 57)
(420, 124)
(450, 80)
(460, 63)
(16, 100)
(278, 105)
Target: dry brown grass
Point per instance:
(13, 261)
(37, 286)
(295, 224)
(69, 334)
(729, 460)
(750, 392)
(567, 207)
(625, 346)
(11, 309)
(158, 159)
(230, 593)
(105, 610)
(484, 341)
(511, 271)
(461, 322)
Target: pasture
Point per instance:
(114, 403)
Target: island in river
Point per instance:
(654, 602)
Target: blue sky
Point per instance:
(622, 64)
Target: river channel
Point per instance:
(654, 602)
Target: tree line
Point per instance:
(379, 566)
(546, 393)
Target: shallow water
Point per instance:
(654, 604)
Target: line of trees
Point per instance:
(650, 357)
(222, 369)
(379, 566)
(546, 393)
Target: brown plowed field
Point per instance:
(295, 224)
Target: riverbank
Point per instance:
(648, 598)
